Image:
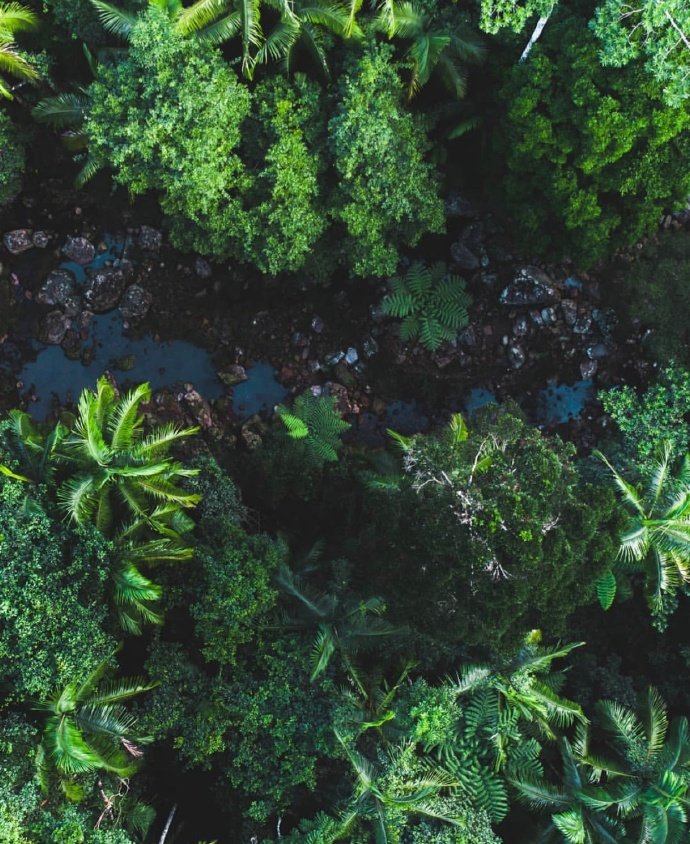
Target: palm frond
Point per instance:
(114, 20)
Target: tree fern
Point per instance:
(315, 421)
(431, 304)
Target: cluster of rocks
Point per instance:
(73, 304)
(538, 304)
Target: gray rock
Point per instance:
(369, 347)
(80, 250)
(334, 358)
(202, 268)
(300, 340)
(548, 315)
(597, 351)
(57, 288)
(18, 241)
(464, 257)
(351, 356)
(40, 239)
(516, 356)
(232, 374)
(468, 336)
(103, 290)
(536, 318)
(54, 327)
(135, 302)
(588, 369)
(72, 305)
(530, 286)
(521, 326)
(582, 324)
(569, 309)
(459, 206)
(150, 239)
(318, 325)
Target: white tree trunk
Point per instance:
(538, 29)
(168, 824)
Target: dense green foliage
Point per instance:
(593, 155)
(497, 508)
(11, 161)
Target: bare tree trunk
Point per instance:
(538, 29)
(168, 824)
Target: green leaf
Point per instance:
(606, 589)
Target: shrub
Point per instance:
(431, 304)
(315, 423)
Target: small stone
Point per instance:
(459, 206)
(202, 268)
(103, 290)
(333, 358)
(521, 327)
(199, 408)
(351, 356)
(232, 374)
(536, 318)
(135, 302)
(318, 325)
(18, 241)
(150, 239)
(548, 316)
(369, 347)
(316, 390)
(573, 283)
(582, 324)
(516, 356)
(464, 257)
(54, 327)
(40, 239)
(569, 309)
(80, 250)
(300, 340)
(588, 369)
(597, 351)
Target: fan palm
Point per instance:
(14, 18)
(88, 728)
(573, 818)
(657, 536)
(522, 689)
(648, 770)
(373, 797)
(343, 624)
(114, 464)
(435, 44)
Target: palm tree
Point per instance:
(115, 465)
(437, 43)
(88, 729)
(374, 798)
(343, 624)
(573, 818)
(14, 18)
(135, 594)
(648, 770)
(522, 688)
(657, 536)
(36, 453)
(214, 21)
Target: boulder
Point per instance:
(464, 257)
(135, 302)
(57, 289)
(40, 239)
(103, 290)
(150, 239)
(516, 356)
(530, 286)
(232, 374)
(80, 250)
(53, 328)
(18, 241)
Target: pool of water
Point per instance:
(259, 393)
(52, 373)
(559, 403)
